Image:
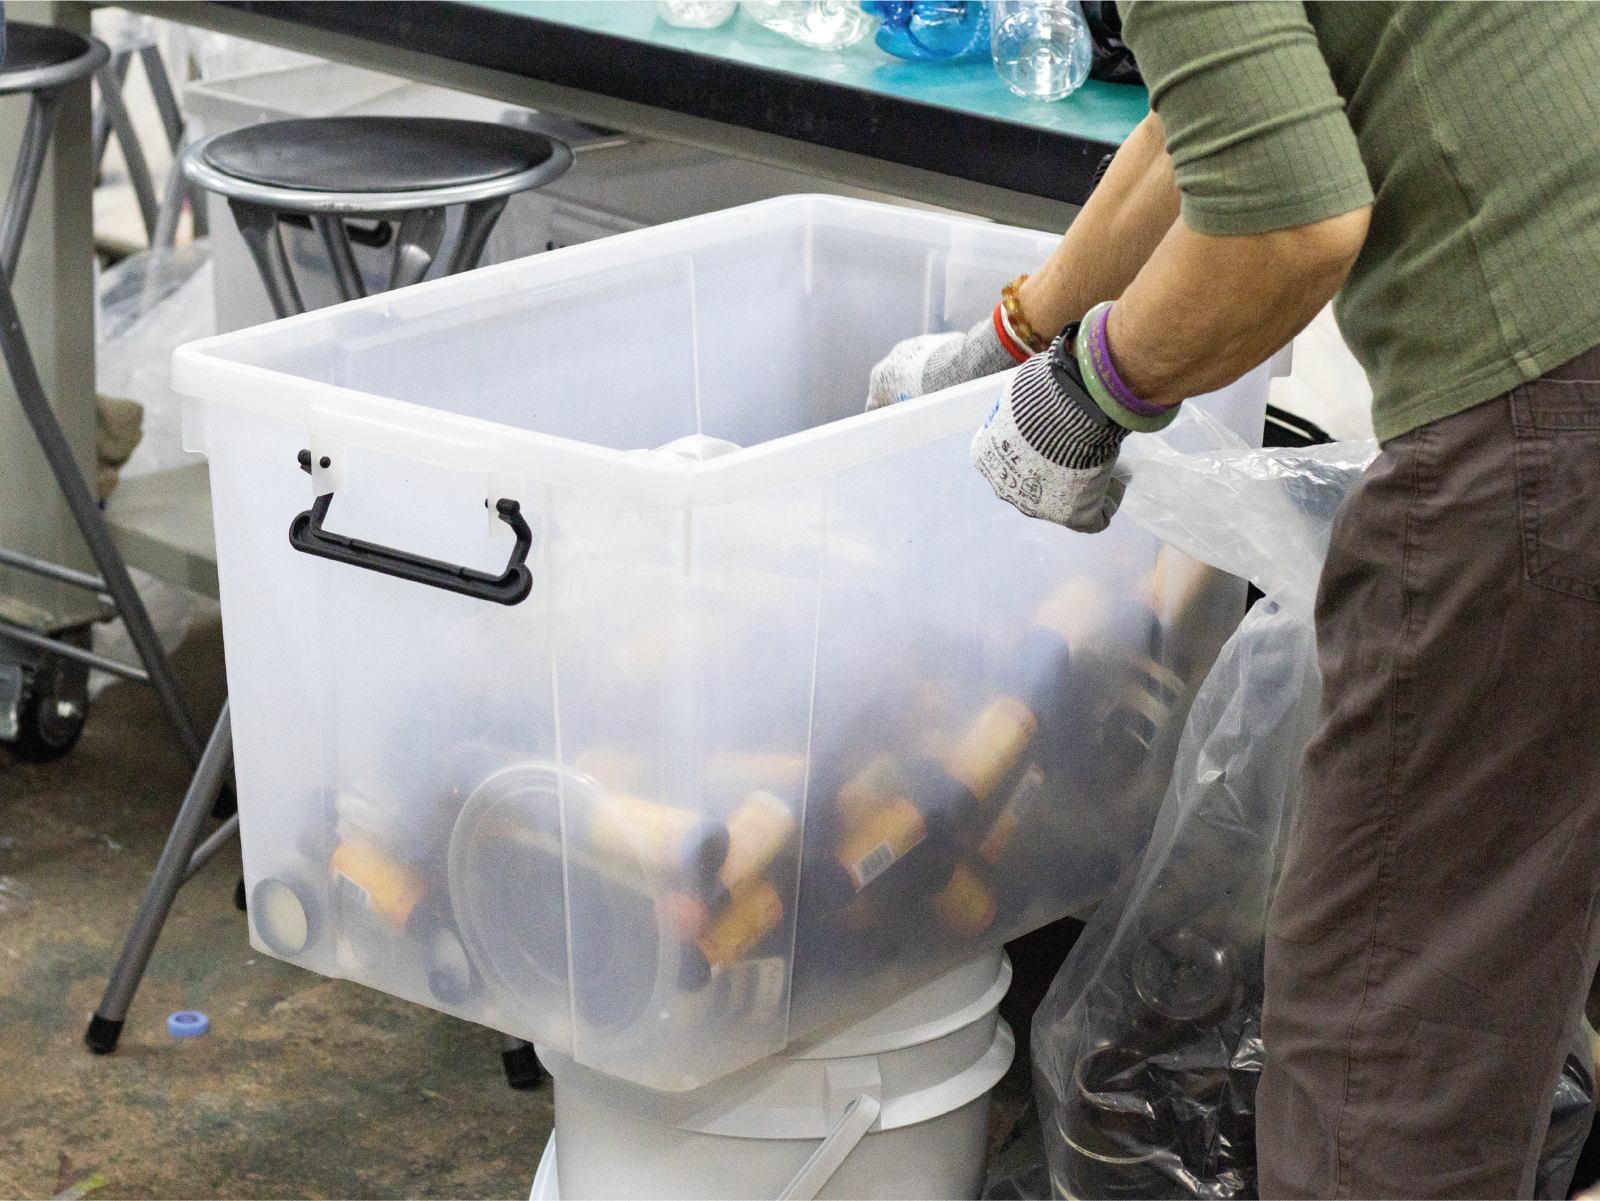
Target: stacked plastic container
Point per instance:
(730, 745)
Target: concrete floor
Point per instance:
(304, 1087)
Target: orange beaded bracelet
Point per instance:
(1018, 324)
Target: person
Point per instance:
(1437, 166)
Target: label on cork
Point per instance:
(368, 876)
(965, 904)
(351, 892)
(750, 918)
(991, 745)
(1016, 809)
(869, 850)
(872, 865)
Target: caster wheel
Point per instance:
(53, 709)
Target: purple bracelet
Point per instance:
(1100, 356)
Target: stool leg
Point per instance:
(91, 522)
(477, 223)
(259, 228)
(155, 73)
(25, 178)
(218, 839)
(166, 230)
(199, 214)
(132, 153)
(337, 241)
(102, 115)
(521, 1062)
(416, 245)
(105, 1027)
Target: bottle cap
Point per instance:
(187, 1023)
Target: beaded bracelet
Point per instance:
(1018, 324)
(1102, 382)
(1008, 339)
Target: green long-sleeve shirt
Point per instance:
(1473, 129)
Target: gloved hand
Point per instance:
(928, 363)
(1049, 448)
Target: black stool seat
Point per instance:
(43, 56)
(376, 154)
(29, 47)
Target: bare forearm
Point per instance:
(1194, 312)
(1204, 310)
(1117, 231)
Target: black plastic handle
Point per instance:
(510, 587)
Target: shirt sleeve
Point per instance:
(1255, 127)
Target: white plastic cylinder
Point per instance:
(928, 1061)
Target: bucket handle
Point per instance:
(849, 1130)
(511, 587)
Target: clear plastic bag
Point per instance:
(1148, 1047)
(148, 305)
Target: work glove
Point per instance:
(928, 363)
(1049, 449)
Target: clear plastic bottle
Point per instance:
(696, 14)
(820, 24)
(931, 30)
(1042, 48)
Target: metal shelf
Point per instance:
(162, 524)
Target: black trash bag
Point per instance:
(1112, 62)
(1570, 1118)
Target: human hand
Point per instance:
(1049, 450)
(928, 363)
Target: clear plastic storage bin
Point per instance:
(669, 757)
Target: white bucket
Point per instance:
(896, 1105)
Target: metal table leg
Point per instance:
(179, 860)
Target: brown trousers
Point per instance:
(1435, 930)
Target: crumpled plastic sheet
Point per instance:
(150, 304)
(1265, 515)
(1147, 1048)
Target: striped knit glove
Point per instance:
(1049, 449)
(922, 365)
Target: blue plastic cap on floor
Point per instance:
(187, 1023)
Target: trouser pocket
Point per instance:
(1557, 429)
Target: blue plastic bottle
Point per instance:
(931, 30)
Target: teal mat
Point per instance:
(1103, 112)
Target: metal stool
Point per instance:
(327, 170)
(391, 168)
(136, 38)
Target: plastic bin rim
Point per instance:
(333, 415)
(204, 370)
